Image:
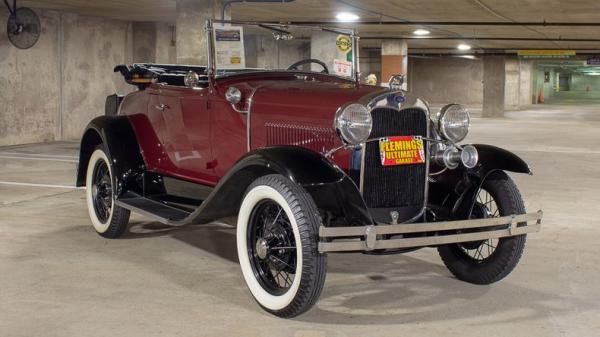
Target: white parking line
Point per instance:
(37, 155)
(12, 183)
(39, 158)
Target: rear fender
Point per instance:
(333, 191)
(119, 140)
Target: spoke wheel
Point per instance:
(108, 219)
(485, 208)
(272, 247)
(102, 191)
(489, 261)
(277, 242)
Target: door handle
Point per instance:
(161, 107)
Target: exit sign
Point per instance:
(593, 61)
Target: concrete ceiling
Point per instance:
(570, 11)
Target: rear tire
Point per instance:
(277, 241)
(507, 252)
(109, 220)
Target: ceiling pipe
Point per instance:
(449, 23)
(228, 4)
(472, 38)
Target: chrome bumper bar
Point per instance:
(367, 238)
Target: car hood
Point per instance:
(311, 101)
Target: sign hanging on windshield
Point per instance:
(229, 48)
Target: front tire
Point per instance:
(277, 242)
(489, 261)
(109, 220)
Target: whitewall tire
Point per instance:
(277, 242)
(108, 220)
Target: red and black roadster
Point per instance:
(309, 159)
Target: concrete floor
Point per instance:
(58, 278)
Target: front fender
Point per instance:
(462, 185)
(332, 190)
(119, 140)
(494, 158)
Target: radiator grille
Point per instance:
(394, 186)
(311, 137)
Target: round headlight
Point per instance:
(454, 122)
(354, 123)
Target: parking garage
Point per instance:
(528, 72)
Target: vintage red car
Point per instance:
(311, 162)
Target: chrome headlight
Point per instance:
(354, 124)
(454, 122)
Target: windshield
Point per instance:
(255, 47)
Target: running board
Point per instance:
(153, 209)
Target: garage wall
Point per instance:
(88, 75)
(29, 85)
(447, 79)
(166, 50)
(51, 91)
(585, 83)
(548, 87)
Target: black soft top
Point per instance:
(144, 74)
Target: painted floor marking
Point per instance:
(13, 183)
(41, 159)
(37, 155)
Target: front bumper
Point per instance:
(368, 238)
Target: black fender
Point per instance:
(332, 190)
(464, 184)
(119, 140)
(494, 158)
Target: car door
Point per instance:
(187, 128)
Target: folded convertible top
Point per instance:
(144, 74)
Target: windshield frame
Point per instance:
(350, 32)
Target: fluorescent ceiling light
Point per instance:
(345, 16)
(421, 32)
(470, 57)
(463, 46)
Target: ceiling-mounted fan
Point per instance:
(23, 26)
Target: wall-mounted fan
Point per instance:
(23, 26)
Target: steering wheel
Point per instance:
(308, 61)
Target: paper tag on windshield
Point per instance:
(342, 68)
(229, 47)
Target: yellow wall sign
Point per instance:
(343, 43)
(546, 54)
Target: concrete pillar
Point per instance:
(394, 60)
(144, 42)
(192, 43)
(494, 82)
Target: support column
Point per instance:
(394, 60)
(192, 43)
(494, 82)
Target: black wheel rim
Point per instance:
(272, 247)
(102, 191)
(485, 207)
